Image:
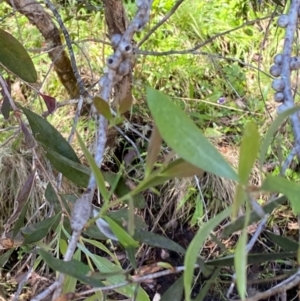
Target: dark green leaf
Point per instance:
(15, 58)
(49, 137)
(52, 198)
(155, 240)
(205, 289)
(4, 257)
(38, 231)
(5, 108)
(239, 223)
(174, 292)
(72, 268)
(185, 138)
(290, 189)
(287, 244)
(76, 172)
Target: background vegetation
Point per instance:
(212, 58)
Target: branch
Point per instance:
(161, 22)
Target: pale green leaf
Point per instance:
(124, 238)
(248, 152)
(185, 138)
(192, 252)
(95, 169)
(240, 264)
(272, 130)
(290, 189)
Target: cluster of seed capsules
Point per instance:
(279, 84)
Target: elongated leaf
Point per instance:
(73, 268)
(156, 240)
(95, 169)
(248, 152)
(174, 292)
(21, 204)
(252, 258)
(290, 189)
(185, 138)
(48, 135)
(205, 289)
(4, 257)
(192, 253)
(76, 172)
(38, 231)
(180, 169)
(153, 150)
(239, 198)
(52, 198)
(287, 244)
(240, 264)
(254, 217)
(102, 107)
(272, 130)
(15, 58)
(70, 282)
(124, 238)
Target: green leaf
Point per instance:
(22, 202)
(248, 152)
(38, 231)
(4, 257)
(239, 198)
(102, 107)
(252, 258)
(180, 169)
(239, 223)
(156, 240)
(174, 292)
(73, 268)
(15, 58)
(49, 137)
(192, 253)
(124, 238)
(240, 264)
(105, 266)
(52, 198)
(70, 282)
(205, 289)
(95, 169)
(185, 138)
(76, 172)
(153, 150)
(290, 189)
(272, 130)
(285, 243)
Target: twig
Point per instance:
(82, 207)
(136, 279)
(281, 287)
(161, 22)
(7, 94)
(209, 40)
(69, 45)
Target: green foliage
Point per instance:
(15, 58)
